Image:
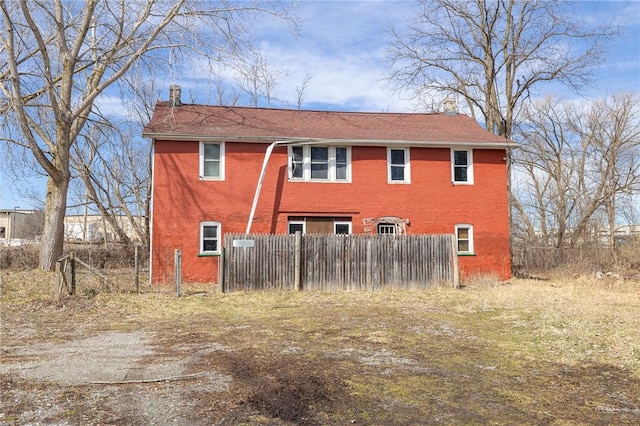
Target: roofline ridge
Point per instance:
(167, 103)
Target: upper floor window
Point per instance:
(212, 160)
(464, 238)
(462, 166)
(398, 165)
(210, 237)
(320, 163)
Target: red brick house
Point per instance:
(319, 172)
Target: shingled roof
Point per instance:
(207, 122)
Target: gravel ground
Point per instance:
(114, 377)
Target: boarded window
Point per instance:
(319, 225)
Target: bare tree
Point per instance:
(492, 54)
(610, 129)
(114, 162)
(257, 79)
(114, 169)
(548, 165)
(575, 168)
(59, 58)
(301, 89)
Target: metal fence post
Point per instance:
(178, 272)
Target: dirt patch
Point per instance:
(282, 388)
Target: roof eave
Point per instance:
(334, 141)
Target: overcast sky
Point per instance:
(342, 49)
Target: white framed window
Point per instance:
(341, 227)
(462, 166)
(398, 165)
(209, 237)
(211, 160)
(386, 228)
(320, 163)
(464, 238)
(296, 225)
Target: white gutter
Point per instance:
(335, 141)
(153, 174)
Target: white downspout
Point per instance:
(267, 155)
(150, 218)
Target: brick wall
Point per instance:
(431, 202)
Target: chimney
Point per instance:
(174, 95)
(449, 106)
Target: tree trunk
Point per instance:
(53, 234)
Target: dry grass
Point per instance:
(559, 352)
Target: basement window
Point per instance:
(386, 228)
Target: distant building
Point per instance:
(95, 229)
(17, 226)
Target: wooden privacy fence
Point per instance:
(337, 262)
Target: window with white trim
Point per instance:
(464, 239)
(296, 226)
(209, 237)
(342, 228)
(398, 166)
(212, 160)
(462, 166)
(320, 163)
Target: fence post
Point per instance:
(59, 279)
(178, 271)
(297, 261)
(136, 262)
(454, 261)
(221, 262)
(72, 259)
